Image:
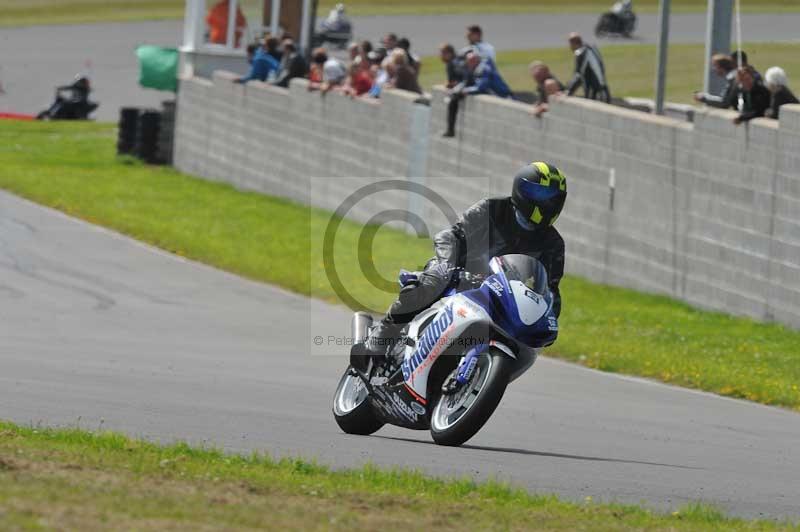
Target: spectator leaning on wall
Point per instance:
(413, 59)
(755, 96)
(541, 74)
(723, 67)
(262, 65)
(331, 71)
(292, 64)
(553, 91)
(777, 83)
(736, 55)
(382, 74)
(482, 77)
(454, 66)
(402, 75)
(590, 73)
(359, 81)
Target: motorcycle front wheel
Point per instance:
(457, 417)
(351, 409)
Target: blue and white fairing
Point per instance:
(512, 310)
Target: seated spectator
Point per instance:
(262, 64)
(777, 83)
(724, 67)
(217, 21)
(553, 90)
(482, 77)
(476, 44)
(590, 73)
(541, 75)
(293, 65)
(453, 65)
(413, 59)
(402, 75)
(359, 81)
(755, 96)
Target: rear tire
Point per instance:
(351, 408)
(492, 386)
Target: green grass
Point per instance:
(34, 12)
(29, 12)
(396, 7)
(74, 479)
(630, 68)
(72, 167)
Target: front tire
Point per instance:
(458, 417)
(351, 409)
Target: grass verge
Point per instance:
(630, 68)
(33, 12)
(78, 480)
(72, 167)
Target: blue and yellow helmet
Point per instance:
(538, 194)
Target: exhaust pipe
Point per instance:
(359, 328)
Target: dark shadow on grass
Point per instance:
(545, 454)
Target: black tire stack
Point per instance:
(126, 135)
(147, 136)
(147, 133)
(167, 131)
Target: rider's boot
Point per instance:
(382, 338)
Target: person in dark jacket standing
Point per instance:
(777, 83)
(519, 223)
(590, 73)
(755, 96)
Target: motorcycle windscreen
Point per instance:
(523, 268)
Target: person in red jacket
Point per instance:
(217, 20)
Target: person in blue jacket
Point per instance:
(482, 77)
(263, 62)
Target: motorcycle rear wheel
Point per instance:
(457, 417)
(351, 409)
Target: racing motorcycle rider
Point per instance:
(521, 223)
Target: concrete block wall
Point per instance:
(705, 212)
(294, 143)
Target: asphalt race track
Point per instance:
(34, 60)
(98, 330)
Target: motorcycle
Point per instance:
(71, 102)
(454, 361)
(336, 29)
(621, 20)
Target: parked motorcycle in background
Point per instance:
(620, 21)
(71, 102)
(451, 368)
(336, 29)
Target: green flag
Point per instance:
(158, 67)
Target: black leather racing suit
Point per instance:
(590, 73)
(487, 229)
